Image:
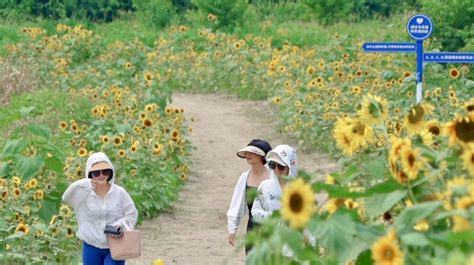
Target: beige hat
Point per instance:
(250, 149)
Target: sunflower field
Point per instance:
(405, 191)
(116, 102)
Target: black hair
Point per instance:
(263, 145)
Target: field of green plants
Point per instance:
(75, 81)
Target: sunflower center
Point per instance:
(359, 128)
(416, 114)
(470, 108)
(411, 160)
(296, 202)
(388, 253)
(465, 130)
(434, 130)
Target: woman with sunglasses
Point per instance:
(282, 160)
(247, 184)
(97, 203)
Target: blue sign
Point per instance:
(419, 27)
(449, 57)
(389, 47)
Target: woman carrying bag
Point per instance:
(100, 206)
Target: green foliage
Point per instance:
(332, 11)
(93, 10)
(453, 22)
(156, 13)
(230, 13)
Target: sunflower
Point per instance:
(334, 204)
(461, 224)
(276, 100)
(361, 134)
(133, 148)
(39, 195)
(433, 127)
(414, 121)
(386, 250)
(374, 109)
(33, 183)
(310, 70)
(70, 232)
(21, 227)
(63, 125)
(460, 130)
(297, 203)
(121, 153)
(454, 73)
(3, 182)
(468, 158)
(422, 226)
(158, 262)
(211, 17)
(118, 140)
(104, 139)
(16, 180)
(82, 152)
(147, 123)
(469, 105)
(175, 135)
(343, 136)
(16, 192)
(412, 162)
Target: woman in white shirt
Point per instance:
(248, 183)
(282, 160)
(98, 202)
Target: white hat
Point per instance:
(284, 155)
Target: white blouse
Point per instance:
(94, 213)
(268, 199)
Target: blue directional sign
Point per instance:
(419, 27)
(449, 57)
(389, 47)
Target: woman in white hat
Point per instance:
(248, 183)
(98, 202)
(282, 160)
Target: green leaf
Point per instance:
(410, 216)
(48, 209)
(375, 168)
(4, 169)
(469, 84)
(54, 164)
(25, 111)
(382, 202)
(15, 235)
(336, 233)
(365, 258)
(414, 239)
(459, 237)
(28, 166)
(40, 131)
(14, 147)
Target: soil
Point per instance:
(195, 230)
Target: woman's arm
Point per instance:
(130, 213)
(77, 192)
(235, 212)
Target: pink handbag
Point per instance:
(128, 246)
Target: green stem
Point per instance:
(410, 193)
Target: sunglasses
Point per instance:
(273, 165)
(105, 172)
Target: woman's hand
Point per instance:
(118, 228)
(97, 182)
(231, 239)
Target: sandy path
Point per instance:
(195, 231)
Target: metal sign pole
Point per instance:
(419, 71)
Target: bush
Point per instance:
(230, 13)
(452, 21)
(156, 13)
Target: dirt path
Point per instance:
(195, 231)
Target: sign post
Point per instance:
(419, 27)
